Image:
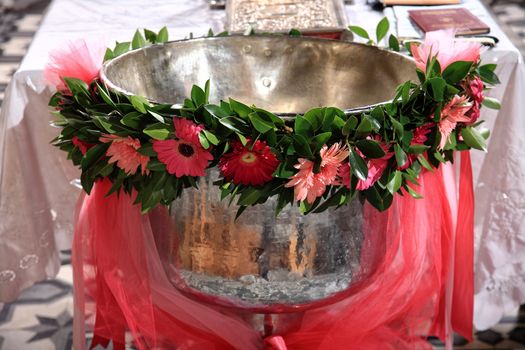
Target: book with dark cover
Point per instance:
(419, 2)
(460, 19)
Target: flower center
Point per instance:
(249, 157)
(186, 150)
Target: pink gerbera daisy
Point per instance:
(454, 112)
(376, 167)
(77, 60)
(123, 151)
(247, 166)
(310, 185)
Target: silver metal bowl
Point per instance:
(260, 262)
(285, 75)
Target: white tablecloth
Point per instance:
(37, 197)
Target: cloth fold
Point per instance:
(397, 299)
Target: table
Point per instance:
(37, 187)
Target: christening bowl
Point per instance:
(260, 261)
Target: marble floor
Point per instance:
(41, 318)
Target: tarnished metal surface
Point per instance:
(282, 15)
(262, 259)
(285, 75)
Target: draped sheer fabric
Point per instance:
(399, 299)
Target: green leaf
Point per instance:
(357, 165)
(378, 114)
(417, 149)
(395, 183)
(393, 43)
(204, 141)
(242, 139)
(211, 137)
(413, 193)
(424, 162)
(240, 108)
(457, 71)
(370, 148)
(198, 96)
(249, 196)
(138, 103)
(302, 147)
(359, 31)
(132, 120)
(473, 138)
(121, 48)
(294, 32)
(216, 111)
(315, 117)
(350, 125)
(382, 29)
(261, 125)
(157, 116)
(487, 75)
(108, 55)
(138, 41)
(401, 157)
(93, 155)
(303, 126)
(156, 165)
(77, 86)
(380, 199)
(365, 126)
(321, 139)
(162, 37)
(157, 131)
(105, 96)
(329, 116)
(398, 128)
(150, 36)
(491, 103)
(438, 88)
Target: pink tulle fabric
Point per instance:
(77, 60)
(448, 49)
(397, 299)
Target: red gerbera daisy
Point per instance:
(247, 166)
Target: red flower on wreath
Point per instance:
(252, 164)
(474, 88)
(308, 184)
(123, 151)
(83, 146)
(184, 156)
(420, 137)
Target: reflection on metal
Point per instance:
(286, 75)
(261, 259)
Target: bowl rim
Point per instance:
(284, 115)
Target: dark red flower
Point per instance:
(247, 166)
(83, 146)
(420, 137)
(474, 88)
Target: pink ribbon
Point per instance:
(275, 342)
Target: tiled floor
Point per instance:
(41, 318)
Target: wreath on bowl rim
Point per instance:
(317, 160)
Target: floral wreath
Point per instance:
(321, 159)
